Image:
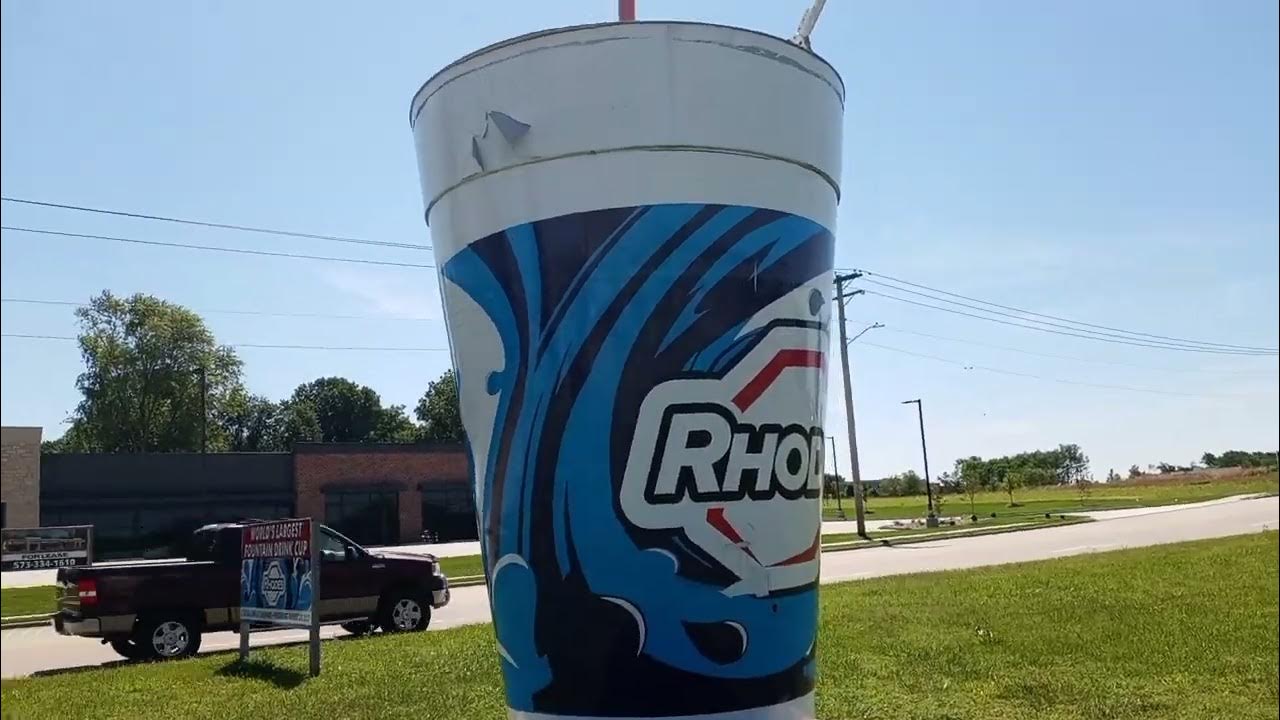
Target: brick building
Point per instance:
(19, 476)
(145, 505)
(385, 493)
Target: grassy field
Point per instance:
(26, 601)
(1181, 631)
(1037, 501)
(464, 566)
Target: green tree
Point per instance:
(344, 410)
(141, 388)
(394, 426)
(251, 423)
(910, 483)
(973, 480)
(1013, 480)
(438, 411)
(831, 484)
(1240, 458)
(298, 423)
(1072, 464)
(1084, 489)
(72, 441)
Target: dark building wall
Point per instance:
(148, 504)
(365, 483)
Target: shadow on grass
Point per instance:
(227, 670)
(72, 670)
(282, 677)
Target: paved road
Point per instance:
(31, 650)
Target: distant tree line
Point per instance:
(1228, 459)
(1240, 458)
(156, 380)
(1064, 465)
(903, 483)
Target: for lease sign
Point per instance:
(277, 577)
(46, 547)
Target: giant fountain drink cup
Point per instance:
(633, 230)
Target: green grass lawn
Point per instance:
(465, 566)
(1179, 631)
(26, 601)
(1037, 501)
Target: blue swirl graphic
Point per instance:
(593, 310)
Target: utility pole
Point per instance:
(932, 519)
(204, 410)
(855, 471)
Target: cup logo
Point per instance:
(274, 584)
(735, 462)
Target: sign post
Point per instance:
(46, 547)
(280, 580)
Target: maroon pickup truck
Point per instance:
(160, 610)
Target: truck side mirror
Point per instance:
(352, 553)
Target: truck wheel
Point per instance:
(128, 649)
(404, 611)
(167, 636)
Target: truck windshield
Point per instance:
(212, 544)
(334, 545)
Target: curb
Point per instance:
(25, 621)
(929, 537)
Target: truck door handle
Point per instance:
(378, 566)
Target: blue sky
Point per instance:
(1109, 162)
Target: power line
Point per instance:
(214, 248)
(225, 226)
(1184, 341)
(1014, 373)
(1072, 358)
(29, 336)
(1159, 343)
(263, 313)
(1081, 334)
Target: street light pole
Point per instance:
(855, 471)
(204, 410)
(835, 468)
(932, 519)
(866, 329)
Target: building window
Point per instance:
(449, 512)
(370, 517)
(156, 530)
